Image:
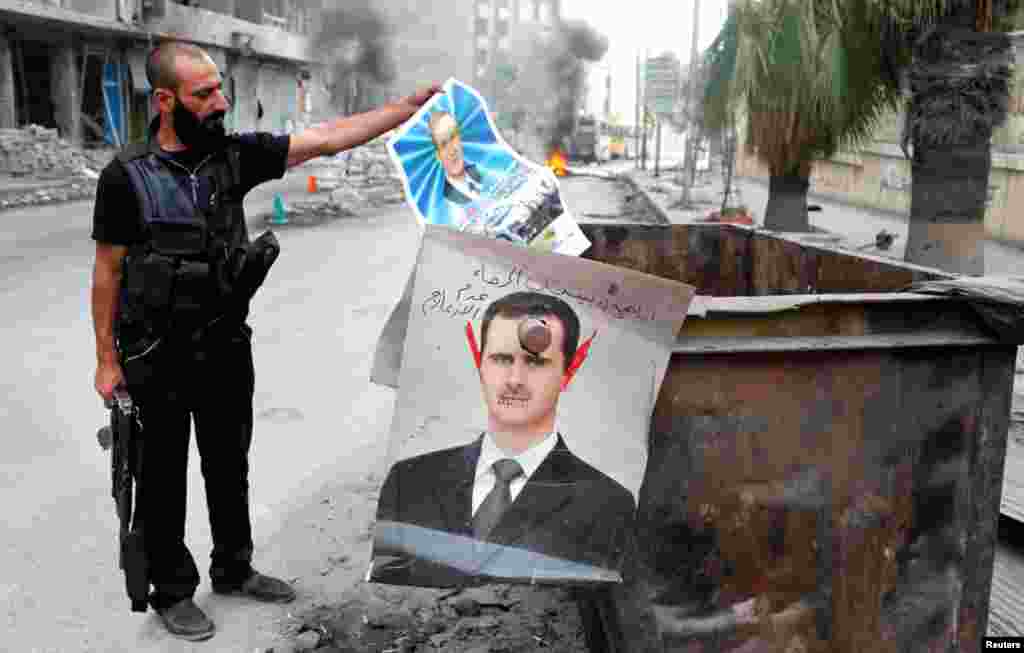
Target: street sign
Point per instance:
(661, 79)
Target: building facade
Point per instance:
(501, 33)
(79, 65)
(878, 175)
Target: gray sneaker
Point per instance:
(184, 619)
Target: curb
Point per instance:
(825, 197)
(656, 208)
(896, 215)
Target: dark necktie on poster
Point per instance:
(498, 500)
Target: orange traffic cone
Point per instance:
(311, 184)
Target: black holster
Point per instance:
(254, 265)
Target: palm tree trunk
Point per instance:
(787, 203)
(960, 84)
(947, 207)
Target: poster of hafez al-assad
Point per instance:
(457, 171)
(525, 394)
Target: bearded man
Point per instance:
(173, 277)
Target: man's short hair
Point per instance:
(161, 68)
(535, 304)
(434, 124)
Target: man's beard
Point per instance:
(206, 135)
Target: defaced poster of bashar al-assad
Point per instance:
(457, 171)
(500, 472)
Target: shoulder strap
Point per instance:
(234, 154)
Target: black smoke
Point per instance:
(573, 44)
(356, 42)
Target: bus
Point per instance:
(621, 142)
(591, 141)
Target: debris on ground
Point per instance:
(47, 193)
(37, 166)
(41, 153)
(494, 619)
(307, 213)
(361, 177)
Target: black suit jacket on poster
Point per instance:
(453, 194)
(567, 510)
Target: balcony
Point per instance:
(271, 35)
(277, 21)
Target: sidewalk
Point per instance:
(846, 226)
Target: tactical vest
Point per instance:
(180, 280)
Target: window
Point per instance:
(481, 56)
(527, 10)
(482, 26)
(502, 27)
(274, 7)
(543, 11)
(274, 13)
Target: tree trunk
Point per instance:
(947, 207)
(960, 85)
(787, 203)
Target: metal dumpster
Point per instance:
(826, 454)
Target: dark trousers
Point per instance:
(208, 383)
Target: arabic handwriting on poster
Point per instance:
(517, 278)
(462, 304)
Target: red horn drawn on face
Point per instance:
(473, 347)
(577, 360)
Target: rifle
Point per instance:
(123, 439)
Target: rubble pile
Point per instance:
(308, 213)
(362, 177)
(38, 152)
(495, 619)
(61, 192)
(42, 168)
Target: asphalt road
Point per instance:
(318, 421)
(319, 424)
(317, 418)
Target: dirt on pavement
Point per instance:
(338, 611)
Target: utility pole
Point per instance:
(636, 118)
(657, 149)
(643, 113)
(493, 56)
(691, 159)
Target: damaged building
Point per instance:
(78, 66)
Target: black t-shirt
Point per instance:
(116, 216)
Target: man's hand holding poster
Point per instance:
(525, 394)
(457, 171)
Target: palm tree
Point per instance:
(960, 92)
(806, 75)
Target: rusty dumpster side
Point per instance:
(826, 454)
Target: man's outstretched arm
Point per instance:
(329, 138)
